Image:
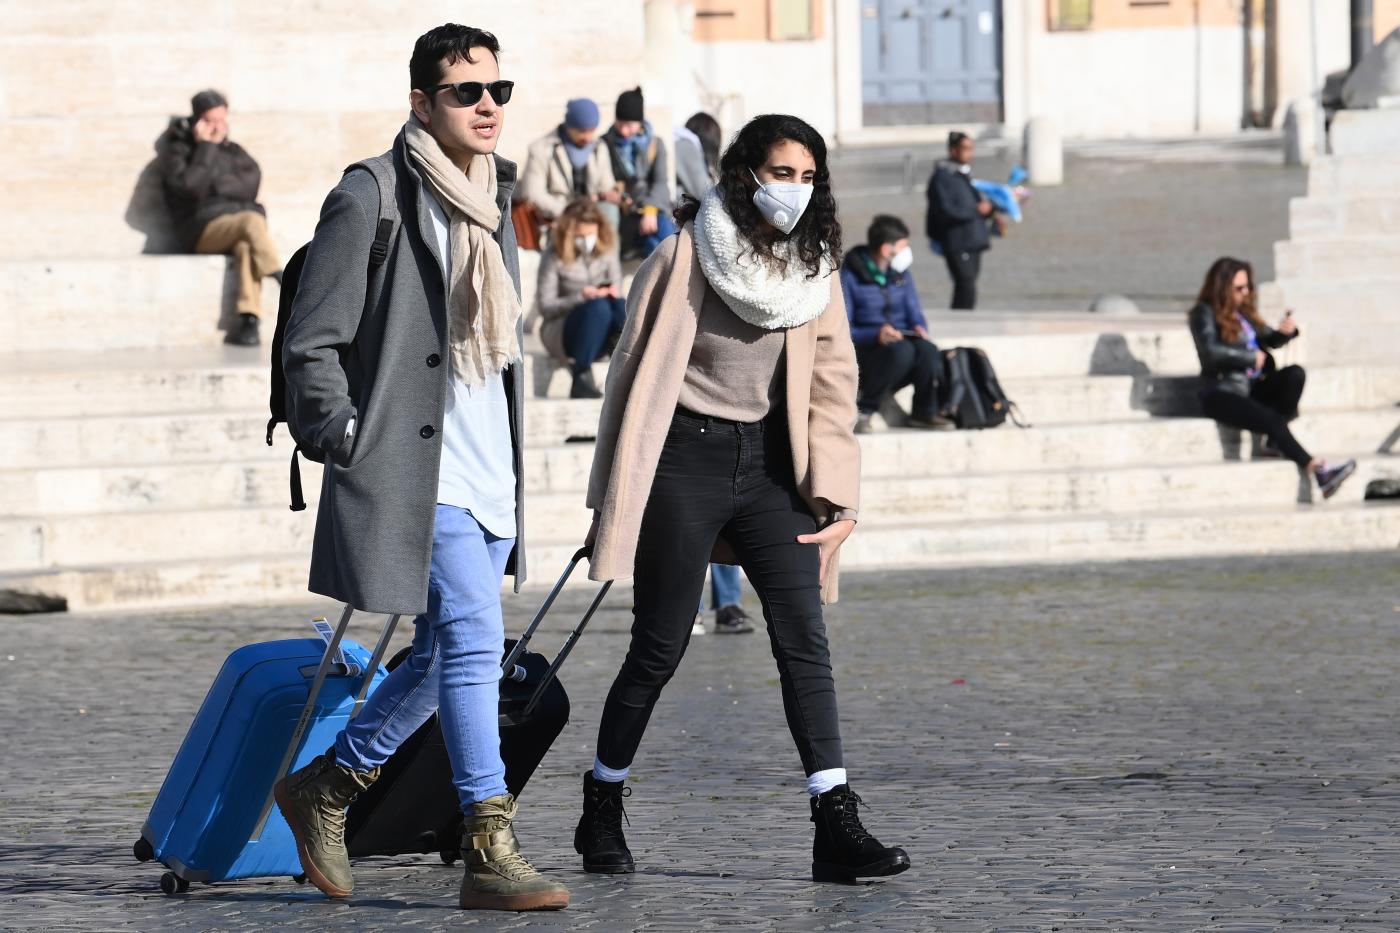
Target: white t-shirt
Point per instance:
(478, 460)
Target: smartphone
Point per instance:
(603, 285)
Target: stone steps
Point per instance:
(1364, 132)
(1345, 257)
(1257, 529)
(1355, 176)
(200, 439)
(1320, 218)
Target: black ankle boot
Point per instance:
(584, 386)
(842, 850)
(599, 835)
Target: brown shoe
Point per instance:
(497, 875)
(313, 801)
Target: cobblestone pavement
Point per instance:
(1159, 746)
(1139, 218)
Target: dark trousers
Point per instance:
(885, 370)
(588, 328)
(1272, 403)
(717, 477)
(964, 268)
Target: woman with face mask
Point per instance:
(580, 304)
(727, 433)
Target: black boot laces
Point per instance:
(848, 817)
(611, 813)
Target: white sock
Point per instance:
(822, 781)
(602, 772)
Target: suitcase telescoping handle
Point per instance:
(309, 709)
(508, 667)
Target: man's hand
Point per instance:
(612, 196)
(829, 541)
(648, 224)
(1001, 224)
(889, 335)
(985, 208)
(204, 131)
(921, 330)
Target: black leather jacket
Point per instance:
(1223, 365)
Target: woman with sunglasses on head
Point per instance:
(1241, 386)
(727, 431)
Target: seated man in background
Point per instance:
(211, 187)
(567, 163)
(888, 326)
(643, 171)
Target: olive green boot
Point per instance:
(313, 801)
(498, 877)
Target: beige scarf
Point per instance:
(483, 309)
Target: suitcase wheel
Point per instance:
(143, 850)
(173, 884)
(299, 879)
(449, 858)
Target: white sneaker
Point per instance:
(699, 627)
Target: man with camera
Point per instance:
(211, 187)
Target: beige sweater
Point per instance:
(644, 385)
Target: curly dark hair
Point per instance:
(817, 235)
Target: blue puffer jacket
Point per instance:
(870, 305)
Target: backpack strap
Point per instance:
(382, 168)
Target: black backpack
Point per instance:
(970, 394)
(382, 168)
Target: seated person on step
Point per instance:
(1240, 385)
(579, 293)
(211, 187)
(888, 326)
(569, 162)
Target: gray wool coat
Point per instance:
(378, 353)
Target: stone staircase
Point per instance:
(134, 473)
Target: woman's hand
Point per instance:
(590, 292)
(829, 541)
(1288, 327)
(1260, 358)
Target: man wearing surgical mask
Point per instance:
(888, 326)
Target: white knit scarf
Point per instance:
(753, 288)
(483, 309)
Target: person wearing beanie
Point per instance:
(211, 189)
(567, 163)
(643, 172)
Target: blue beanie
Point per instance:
(581, 114)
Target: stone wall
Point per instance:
(87, 86)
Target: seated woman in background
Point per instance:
(579, 294)
(1241, 387)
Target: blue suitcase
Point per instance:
(273, 708)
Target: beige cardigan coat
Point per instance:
(644, 381)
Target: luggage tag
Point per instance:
(327, 632)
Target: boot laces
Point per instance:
(848, 817)
(515, 866)
(611, 814)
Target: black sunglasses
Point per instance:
(469, 92)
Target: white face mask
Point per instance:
(781, 203)
(586, 244)
(902, 260)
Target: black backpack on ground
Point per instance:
(970, 394)
(382, 168)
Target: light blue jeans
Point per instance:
(724, 587)
(455, 666)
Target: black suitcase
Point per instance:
(413, 806)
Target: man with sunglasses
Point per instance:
(408, 377)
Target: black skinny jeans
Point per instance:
(886, 369)
(1272, 403)
(721, 477)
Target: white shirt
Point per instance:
(478, 460)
